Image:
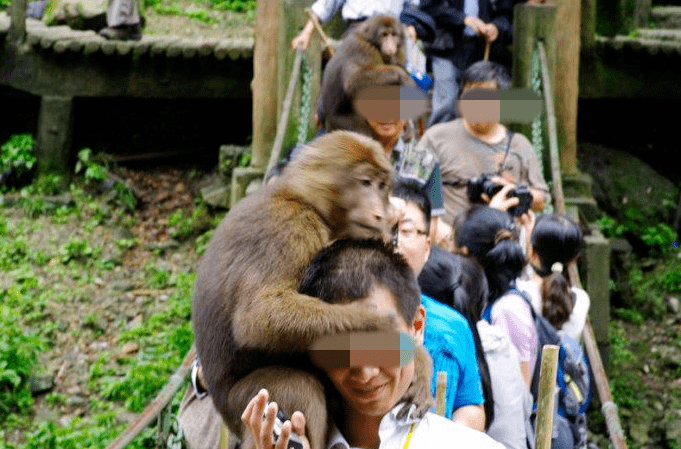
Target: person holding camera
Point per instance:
(477, 149)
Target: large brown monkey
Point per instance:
(251, 327)
(371, 55)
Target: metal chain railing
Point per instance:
(539, 125)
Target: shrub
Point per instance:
(18, 355)
(17, 158)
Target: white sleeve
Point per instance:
(325, 9)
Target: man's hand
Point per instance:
(490, 32)
(410, 30)
(303, 39)
(262, 429)
(475, 23)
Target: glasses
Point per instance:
(407, 232)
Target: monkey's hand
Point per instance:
(418, 392)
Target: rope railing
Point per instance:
(608, 407)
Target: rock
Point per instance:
(135, 322)
(99, 345)
(228, 158)
(217, 194)
(124, 286)
(78, 14)
(77, 400)
(164, 246)
(65, 199)
(627, 188)
(130, 348)
(123, 233)
(41, 384)
(672, 425)
(673, 305)
(638, 431)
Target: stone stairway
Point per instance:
(663, 37)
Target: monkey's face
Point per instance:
(388, 36)
(365, 203)
(391, 42)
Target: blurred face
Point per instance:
(375, 390)
(413, 241)
(480, 115)
(388, 130)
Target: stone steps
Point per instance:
(666, 16)
(62, 38)
(663, 38)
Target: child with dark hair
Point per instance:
(555, 241)
(460, 282)
(491, 238)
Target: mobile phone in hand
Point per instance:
(294, 441)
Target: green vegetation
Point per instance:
(17, 159)
(200, 10)
(645, 333)
(79, 277)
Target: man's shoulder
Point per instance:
(442, 311)
(438, 427)
(444, 129)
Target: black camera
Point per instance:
(484, 184)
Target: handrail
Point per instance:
(157, 405)
(286, 109)
(608, 407)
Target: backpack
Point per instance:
(573, 376)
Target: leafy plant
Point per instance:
(17, 157)
(92, 171)
(76, 249)
(660, 238)
(234, 5)
(183, 226)
(18, 355)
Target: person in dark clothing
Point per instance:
(463, 29)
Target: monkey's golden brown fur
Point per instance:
(251, 326)
(371, 55)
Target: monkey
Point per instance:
(251, 327)
(373, 54)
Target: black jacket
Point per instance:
(449, 16)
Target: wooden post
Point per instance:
(265, 80)
(546, 396)
(531, 21)
(566, 80)
(17, 27)
(441, 393)
(272, 63)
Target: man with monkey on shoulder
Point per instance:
(371, 273)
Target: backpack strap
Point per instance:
(487, 314)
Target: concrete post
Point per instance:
(596, 275)
(54, 134)
(17, 27)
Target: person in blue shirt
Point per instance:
(448, 337)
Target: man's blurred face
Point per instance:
(375, 390)
(480, 114)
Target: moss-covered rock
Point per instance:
(627, 188)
